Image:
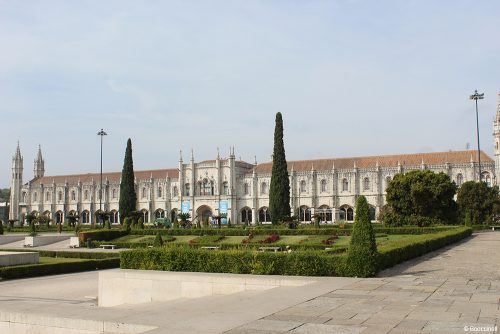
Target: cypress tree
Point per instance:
(128, 197)
(279, 193)
(362, 256)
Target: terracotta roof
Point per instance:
(437, 158)
(112, 177)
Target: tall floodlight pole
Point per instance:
(476, 96)
(102, 134)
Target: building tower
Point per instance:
(496, 142)
(39, 164)
(16, 184)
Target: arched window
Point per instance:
(24, 197)
(113, 217)
(303, 186)
(113, 193)
(264, 215)
(187, 189)
(59, 217)
(144, 192)
(73, 195)
(345, 185)
(47, 196)
(246, 189)
(207, 188)
(225, 188)
(159, 213)
(145, 216)
(86, 195)
(159, 192)
(246, 215)
(346, 213)
(485, 177)
(372, 213)
(325, 213)
(366, 184)
(59, 196)
(85, 217)
(305, 214)
(263, 188)
(460, 180)
(175, 191)
(34, 196)
(323, 186)
(387, 181)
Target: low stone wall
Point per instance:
(7, 239)
(44, 240)
(123, 286)
(26, 323)
(18, 258)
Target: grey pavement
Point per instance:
(442, 292)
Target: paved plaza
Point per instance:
(453, 290)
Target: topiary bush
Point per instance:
(362, 254)
(158, 241)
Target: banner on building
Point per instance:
(222, 207)
(185, 206)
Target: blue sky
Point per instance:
(350, 78)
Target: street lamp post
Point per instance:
(476, 96)
(102, 134)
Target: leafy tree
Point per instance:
(184, 218)
(362, 255)
(279, 193)
(30, 219)
(422, 194)
(5, 195)
(478, 201)
(128, 197)
(44, 220)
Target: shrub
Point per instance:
(158, 240)
(362, 255)
(270, 239)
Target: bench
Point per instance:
(108, 246)
(269, 249)
(210, 247)
(495, 227)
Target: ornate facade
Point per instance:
(240, 190)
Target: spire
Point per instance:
(17, 159)
(192, 155)
(498, 108)
(18, 152)
(39, 164)
(255, 160)
(180, 155)
(218, 154)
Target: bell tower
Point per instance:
(16, 184)
(39, 165)
(496, 141)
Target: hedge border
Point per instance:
(43, 269)
(68, 254)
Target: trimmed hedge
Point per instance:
(284, 231)
(100, 235)
(402, 250)
(306, 263)
(33, 270)
(67, 254)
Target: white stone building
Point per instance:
(238, 189)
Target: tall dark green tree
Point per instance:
(279, 193)
(128, 197)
